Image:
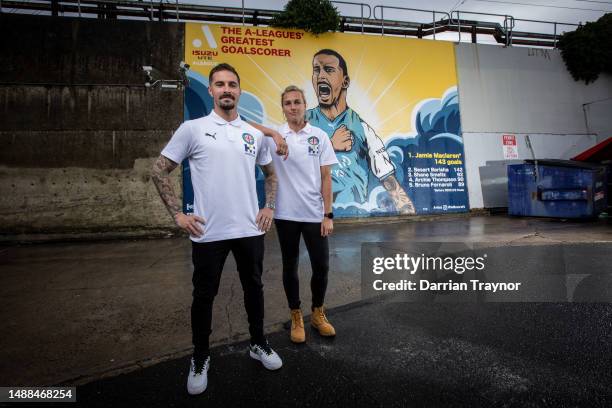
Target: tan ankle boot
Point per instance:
(297, 326)
(320, 322)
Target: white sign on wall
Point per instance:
(509, 146)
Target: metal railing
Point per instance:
(506, 29)
(362, 6)
(555, 25)
(367, 19)
(433, 14)
(509, 24)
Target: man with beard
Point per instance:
(357, 146)
(222, 150)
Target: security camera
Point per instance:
(148, 71)
(183, 81)
(153, 80)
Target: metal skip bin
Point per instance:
(556, 188)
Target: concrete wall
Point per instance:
(525, 91)
(78, 129)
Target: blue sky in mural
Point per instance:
(438, 129)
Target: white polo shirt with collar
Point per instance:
(299, 177)
(222, 157)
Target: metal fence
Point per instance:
(356, 17)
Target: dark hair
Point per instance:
(341, 61)
(223, 67)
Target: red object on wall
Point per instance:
(598, 153)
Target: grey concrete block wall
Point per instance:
(76, 107)
(43, 49)
(78, 129)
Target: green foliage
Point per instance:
(587, 52)
(314, 16)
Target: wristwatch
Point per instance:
(329, 215)
(271, 205)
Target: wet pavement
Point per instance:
(402, 355)
(77, 312)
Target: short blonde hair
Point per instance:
(292, 88)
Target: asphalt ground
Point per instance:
(394, 354)
(112, 318)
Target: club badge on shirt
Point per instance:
(249, 144)
(313, 146)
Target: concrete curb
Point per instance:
(129, 234)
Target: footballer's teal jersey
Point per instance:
(350, 175)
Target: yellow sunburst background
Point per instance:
(389, 75)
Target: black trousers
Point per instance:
(208, 260)
(289, 233)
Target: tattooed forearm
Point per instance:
(160, 174)
(390, 183)
(271, 183)
(402, 202)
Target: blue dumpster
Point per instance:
(556, 188)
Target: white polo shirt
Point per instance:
(222, 157)
(299, 177)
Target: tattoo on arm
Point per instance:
(403, 203)
(160, 174)
(390, 183)
(271, 183)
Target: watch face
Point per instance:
(330, 215)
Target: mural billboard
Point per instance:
(388, 104)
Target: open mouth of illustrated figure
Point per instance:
(324, 90)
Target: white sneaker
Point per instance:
(266, 355)
(198, 376)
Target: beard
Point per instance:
(227, 102)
